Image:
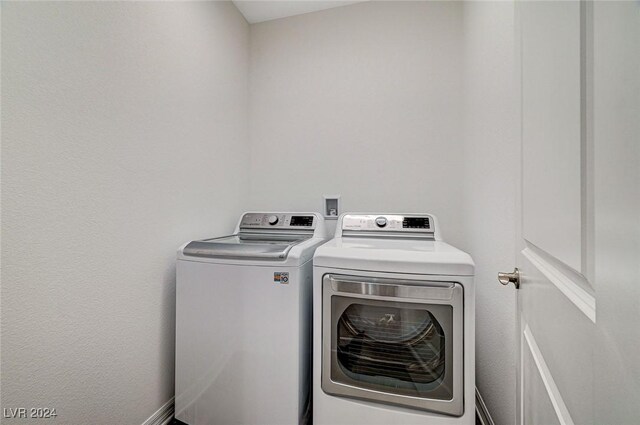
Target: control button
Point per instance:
(273, 219)
(381, 221)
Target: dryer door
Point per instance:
(394, 341)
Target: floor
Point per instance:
(177, 422)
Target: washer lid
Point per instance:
(244, 246)
(395, 256)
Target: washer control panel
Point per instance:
(278, 221)
(388, 223)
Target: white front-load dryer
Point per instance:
(393, 325)
(243, 322)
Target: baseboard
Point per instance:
(162, 416)
(484, 418)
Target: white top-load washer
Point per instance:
(243, 322)
(393, 325)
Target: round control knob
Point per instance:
(381, 221)
(273, 219)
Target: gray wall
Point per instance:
(492, 159)
(124, 125)
(364, 101)
(125, 133)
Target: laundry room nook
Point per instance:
(300, 212)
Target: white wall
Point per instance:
(491, 177)
(363, 101)
(124, 132)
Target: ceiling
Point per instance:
(255, 11)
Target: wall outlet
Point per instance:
(331, 207)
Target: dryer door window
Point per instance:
(394, 341)
(392, 347)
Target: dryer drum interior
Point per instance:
(391, 346)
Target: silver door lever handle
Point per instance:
(506, 278)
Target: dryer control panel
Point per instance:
(389, 223)
(278, 221)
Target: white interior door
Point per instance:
(556, 300)
(579, 227)
(616, 203)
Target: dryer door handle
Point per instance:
(391, 288)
